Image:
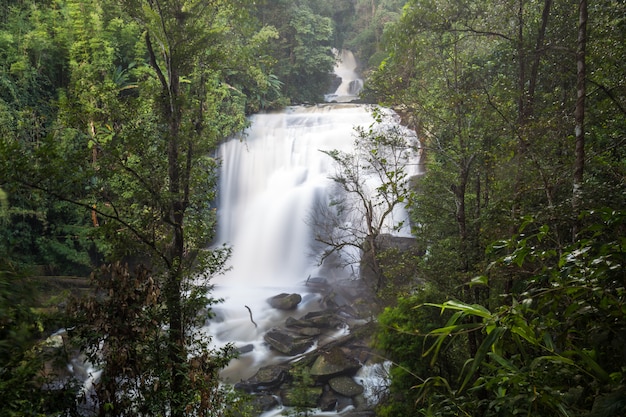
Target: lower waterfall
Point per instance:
(271, 180)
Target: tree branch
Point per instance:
(154, 64)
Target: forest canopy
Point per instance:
(110, 116)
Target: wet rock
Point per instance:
(333, 363)
(308, 331)
(334, 300)
(317, 282)
(344, 385)
(366, 413)
(266, 379)
(322, 319)
(287, 342)
(245, 349)
(262, 403)
(293, 322)
(331, 401)
(328, 401)
(285, 301)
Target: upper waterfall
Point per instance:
(351, 82)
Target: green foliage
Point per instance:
(365, 31)
(39, 230)
(28, 382)
(490, 88)
(402, 335)
(558, 348)
(302, 49)
(111, 114)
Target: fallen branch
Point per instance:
(251, 319)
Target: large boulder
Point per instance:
(285, 301)
(260, 404)
(344, 385)
(333, 363)
(286, 342)
(266, 379)
(323, 319)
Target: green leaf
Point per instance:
(468, 309)
(547, 341)
(481, 280)
(504, 362)
(521, 328)
(484, 348)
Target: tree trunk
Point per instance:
(579, 112)
(534, 71)
(177, 354)
(172, 112)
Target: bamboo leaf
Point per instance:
(481, 354)
(521, 328)
(504, 362)
(481, 280)
(466, 309)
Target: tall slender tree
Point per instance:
(579, 112)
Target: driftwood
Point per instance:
(251, 319)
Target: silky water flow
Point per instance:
(270, 183)
(271, 180)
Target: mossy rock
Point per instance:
(346, 386)
(334, 363)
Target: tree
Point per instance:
(31, 382)
(579, 112)
(365, 33)
(303, 49)
(566, 327)
(182, 109)
(148, 99)
(40, 230)
(373, 184)
(490, 88)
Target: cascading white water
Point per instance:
(270, 181)
(351, 82)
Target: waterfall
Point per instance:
(351, 83)
(271, 179)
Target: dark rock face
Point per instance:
(324, 319)
(287, 342)
(285, 301)
(262, 403)
(245, 349)
(266, 379)
(333, 363)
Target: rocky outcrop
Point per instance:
(333, 363)
(266, 379)
(285, 301)
(331, 366)
(287, 342)
(331, 384)
(320, 319)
